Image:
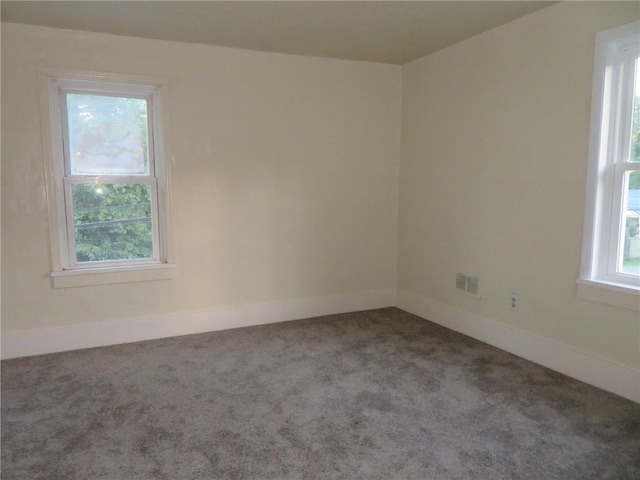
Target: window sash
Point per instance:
(615, 249)
(71, 253)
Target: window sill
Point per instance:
(110, 275)
(618, 295)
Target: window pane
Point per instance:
(631, 225)
(112, 221)
(635, 128)
(107, 135)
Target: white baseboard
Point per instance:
(618, 379)
(72, 337)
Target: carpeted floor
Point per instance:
(371, 395)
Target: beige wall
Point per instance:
(493, 171)
(285, 177)
(284, 173)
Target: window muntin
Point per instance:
(108, 174)
(610, 237)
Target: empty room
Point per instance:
(320, 240)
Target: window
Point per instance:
(108, 179)
(611, 250)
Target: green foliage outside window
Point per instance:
(112, 222)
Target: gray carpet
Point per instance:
(371, 395)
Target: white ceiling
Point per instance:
(392, 32)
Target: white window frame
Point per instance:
(614, 66)
(66, 271)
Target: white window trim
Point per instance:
(160, 268)
(597, 281)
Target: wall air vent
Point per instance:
(467, 284)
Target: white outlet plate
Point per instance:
(514, 302)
